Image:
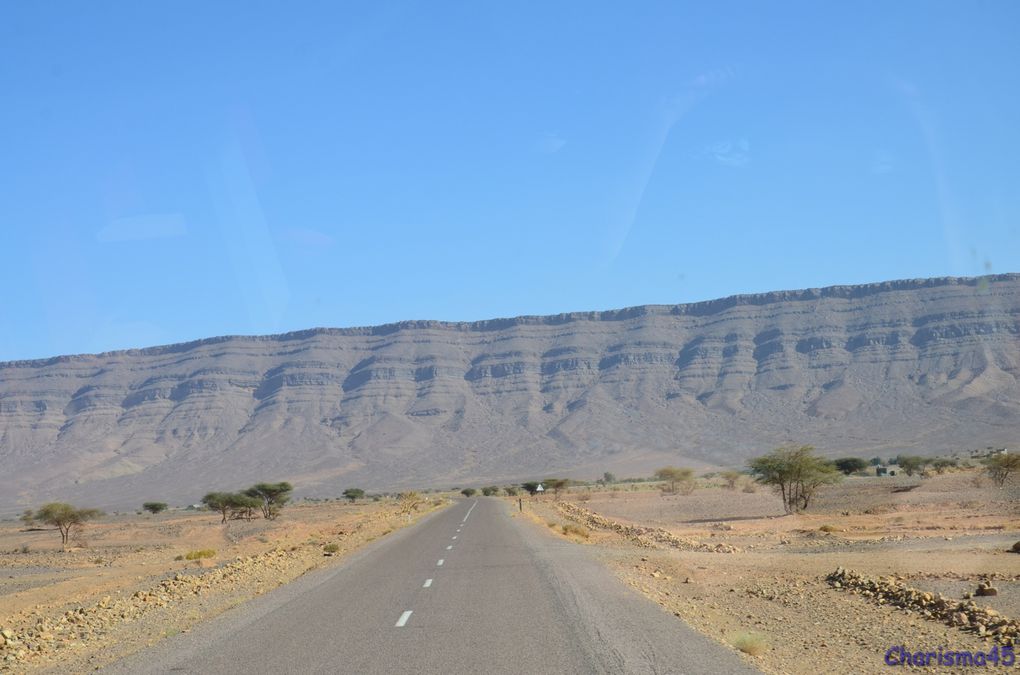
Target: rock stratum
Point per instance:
(924, 366)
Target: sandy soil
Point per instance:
(946, 534)
(126, 583)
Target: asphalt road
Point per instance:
(467, 590)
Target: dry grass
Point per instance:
(578, 530)
(200, 554)
(749, 643)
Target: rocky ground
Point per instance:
(131, 584)
(910, 564)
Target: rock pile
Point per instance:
(40, 636)
(648, 537)
(983, 621)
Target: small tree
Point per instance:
(849, 465)
(219, 501)
(271, 497)
(795, 473)
(679, 479)
(27, 517)
(911, 464)
(154, 507)
(608, 478)
(490, 490)
(468, 492)
(942, 464)
(65, 517)
(557, 485)
(243, 505)
(731, 477)
(353, 494)
(1000, 467)
(510, 490)
(531, 487)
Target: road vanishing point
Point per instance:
(468, 589)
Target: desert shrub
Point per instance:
(829, 528)
(490, 490)
(584, 497)
(1001, 466)
(154, 507)
(750, 487)
(849, 465)
(1016, 547)
(468, 492)
(911, 464)
(376, 498)
(557, 485)
(178, 557)
(579, 530)
(199, 554)
(940, 465)
(25, 548)
(510, 490)
(730, 478)
(331, 548)
(749, 643)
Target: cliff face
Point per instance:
(925, 365)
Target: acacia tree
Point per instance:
(468, 492)
(679, 479)
(271, 496)
(911, 464)
(531, 487)
(65, 517)
(490, 490)
(795, 473)
(223, 502)
(557, 485)
(849, 465)
(1001, 466)
(353, 494)
(154, 507)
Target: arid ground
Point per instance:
(126, 582)
(770, 594)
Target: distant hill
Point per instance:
(921, 365)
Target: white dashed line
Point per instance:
(470, 510)
(454, 536)
(440, 563)
(449, 547)
(402, 621)
(428, 582)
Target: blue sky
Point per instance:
(177, 172)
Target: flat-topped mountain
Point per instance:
(923, 365)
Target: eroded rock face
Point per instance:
(927, 365)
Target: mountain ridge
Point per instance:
(926, 365)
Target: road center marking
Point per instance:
(402, 621)
(470, 510)
(449, 547)
(454, 536)
(428, 582)
(440, 563)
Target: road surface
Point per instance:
(467, 590)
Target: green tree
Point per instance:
(490, 490)
(219, 501)
(243, 505)
(679, 479)
(942, 463)
(795, 473)
(272, 497)
(608, 478)
(531, 487)
(510, 490)
(911, 464)
(154, 507)
(1001, 466)
(849, 465)
(468, 492)
(27, 517)
(65, 517)
(353, 494)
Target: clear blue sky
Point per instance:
(196, 169)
